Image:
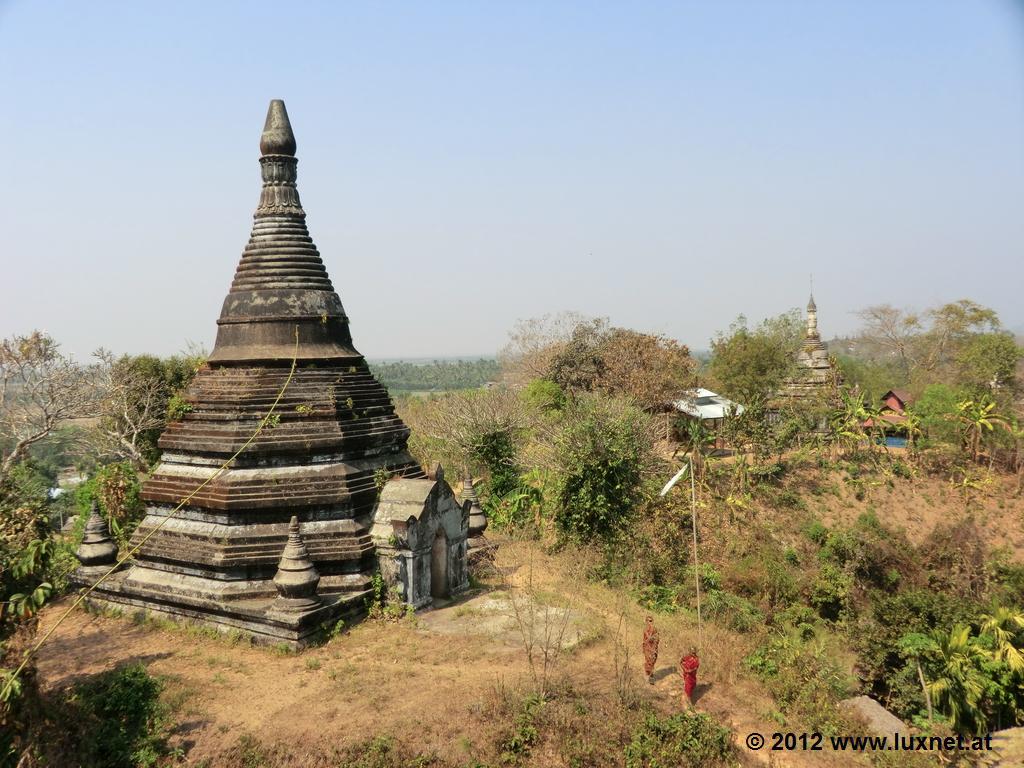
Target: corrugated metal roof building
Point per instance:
(705, 405)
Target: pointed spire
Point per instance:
(477, 516)
(296, 578)
(468, 491)
(97, 552)
(811, 306)
(277, 138)
(281, 281)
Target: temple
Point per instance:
(278, 543)
(816, 377)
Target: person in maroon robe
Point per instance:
(650, 647)
(688, 669)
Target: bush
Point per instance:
(683, 740)
(117, 490)
(805, 681)
(868, 551)
(543, 395)
(655, 597)
(601, 453)
(816, 531)
(735, 612)
(120, 721)
(830, 593)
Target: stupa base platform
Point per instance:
(263, 621)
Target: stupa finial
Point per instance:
(277, 138)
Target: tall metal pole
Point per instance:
(696, 571)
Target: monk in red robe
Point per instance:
(650, 647)
(688, 669)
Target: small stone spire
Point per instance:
(296, 578)
(812, 319)
(478, 547)
(477, 517)
(97, 552)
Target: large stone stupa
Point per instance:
(320, 462)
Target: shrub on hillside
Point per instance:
(883, 670)
(603, 454)
(683, 740)
(119, 720)
(803, 677)
(955, 560)
(732, 611)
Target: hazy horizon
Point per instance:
(669, 165)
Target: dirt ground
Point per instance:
(924, 503)
(429, 682)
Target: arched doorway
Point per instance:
(439, 565)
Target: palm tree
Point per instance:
(911, 427)
(977, 417)
(844, 426)
(873, 414)
(1003, 624)
(958, 684)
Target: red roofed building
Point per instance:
(894, 406)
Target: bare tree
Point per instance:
(134, 404)
(892, 332)
(928, 341)
(545, 628)
(534, 343)
(455, 427)
(40, 389)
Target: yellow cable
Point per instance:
(81, 598)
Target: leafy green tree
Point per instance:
(884, 668)
(916, 646)
(749, 364)
(988, 362)
(936, 409)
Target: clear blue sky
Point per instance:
(669, 165)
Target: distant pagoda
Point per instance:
(816, 377)
(318, 464)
